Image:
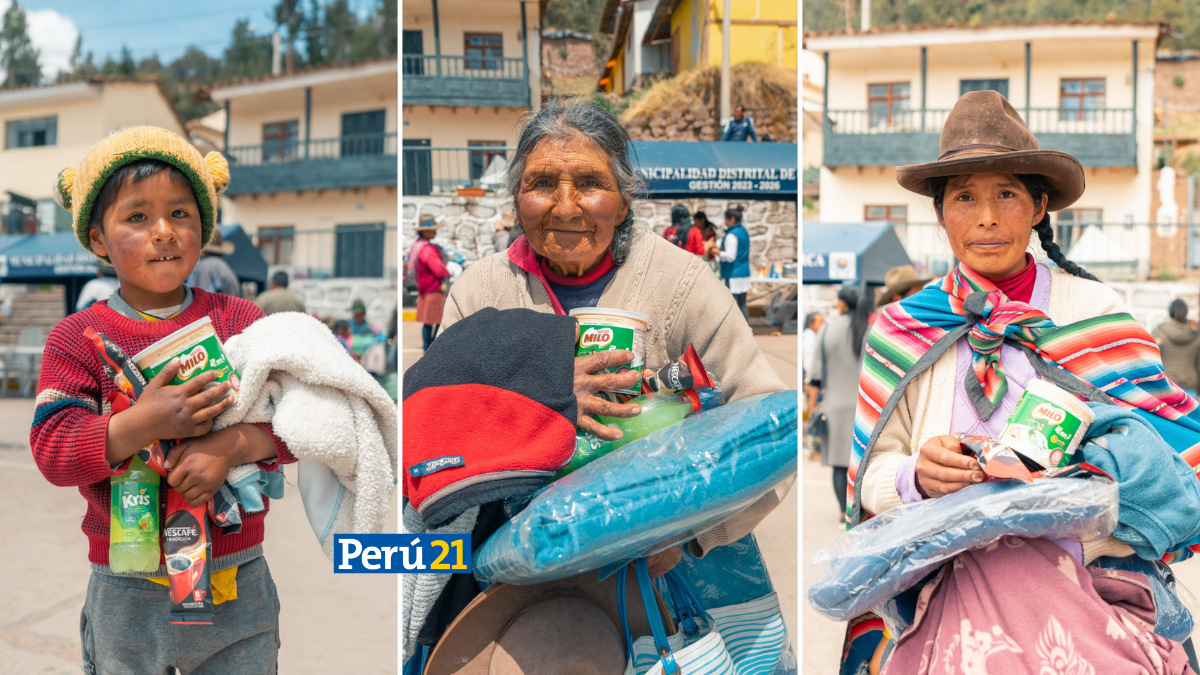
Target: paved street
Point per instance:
(329, 623)
(822, 637)
(777, 532)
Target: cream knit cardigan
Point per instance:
(685, 303)
(926, 408)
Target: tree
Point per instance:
(124, 66)
(248, 55)
(289, 15)
(577, 15)
(18, 58)
(339, 27)
(80, 66)
(386, 15)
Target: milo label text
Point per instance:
(1042, 431)
(597, 336)
(198, 358)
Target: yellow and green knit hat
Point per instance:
(76, 189)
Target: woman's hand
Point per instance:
(587, 384)
(942, 468)
(661, 563)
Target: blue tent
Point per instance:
(677, 169)
(247, 263)
(858, 253)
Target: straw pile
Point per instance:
(687, 107)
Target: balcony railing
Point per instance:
(444, 170)
(898, 136)
(363, 251)
(465, 81)
(361, 160)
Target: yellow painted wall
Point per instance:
(317, 213)
(617, 79)
(248, 114)
(749, 43)
(81, 125)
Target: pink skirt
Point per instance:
(430, 306)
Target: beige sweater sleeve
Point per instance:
(741, 523)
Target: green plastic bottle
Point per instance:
(659, 409)
(133, 531)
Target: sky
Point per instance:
(146, 26)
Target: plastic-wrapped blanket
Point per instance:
(886, 555)
(656, 492)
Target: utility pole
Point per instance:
(726, 24)
(275, 52)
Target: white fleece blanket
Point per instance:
(334, 417)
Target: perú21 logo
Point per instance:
(596, 337)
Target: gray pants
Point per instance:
(124, 629)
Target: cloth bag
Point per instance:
(745, 639)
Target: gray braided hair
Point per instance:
(559, 120)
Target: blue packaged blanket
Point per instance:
(654, 493)
(888, 554)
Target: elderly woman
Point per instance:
(573, 189)
(982, 336)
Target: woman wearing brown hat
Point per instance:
(993, 189)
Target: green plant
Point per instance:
(1178, 81)
(562, 54)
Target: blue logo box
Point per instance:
(401, 553)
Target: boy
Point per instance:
(144, 201)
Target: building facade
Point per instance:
(312, 157)
(470, 69)
(1083, 88)
(676, 36)
(47, 129)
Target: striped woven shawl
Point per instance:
(1114, 353)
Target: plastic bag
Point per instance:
(886, 555)
(650, 495)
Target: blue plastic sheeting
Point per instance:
(690, 168)
(649, 495)
(887, 555)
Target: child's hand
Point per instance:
(181, 411)
(199, 466)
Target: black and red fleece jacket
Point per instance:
(489, 411)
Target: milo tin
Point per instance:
(603, 329)
(1047, 425)
(198, 349)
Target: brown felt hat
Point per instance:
(900, 280)
(984, 134)
(568, 626)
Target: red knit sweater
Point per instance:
(69, 427)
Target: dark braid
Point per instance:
(1037, 185)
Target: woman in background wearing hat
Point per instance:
(426, 259)
(834, 372)
(992, 189)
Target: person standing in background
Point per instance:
(430, 274)
(1179, 345)
(734, 253)
(740, 127)
(812, 325)
(278, 298)
(212, 273)
(834, 374)
(501, 239)
(97, 289)
(686, 236)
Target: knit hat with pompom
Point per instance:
(76, 189)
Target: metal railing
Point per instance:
(1122, 252)
(427, 170)
(298, 150)
(478, 67)
(1040, 121)
(315, 254)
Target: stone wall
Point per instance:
(469, 223)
